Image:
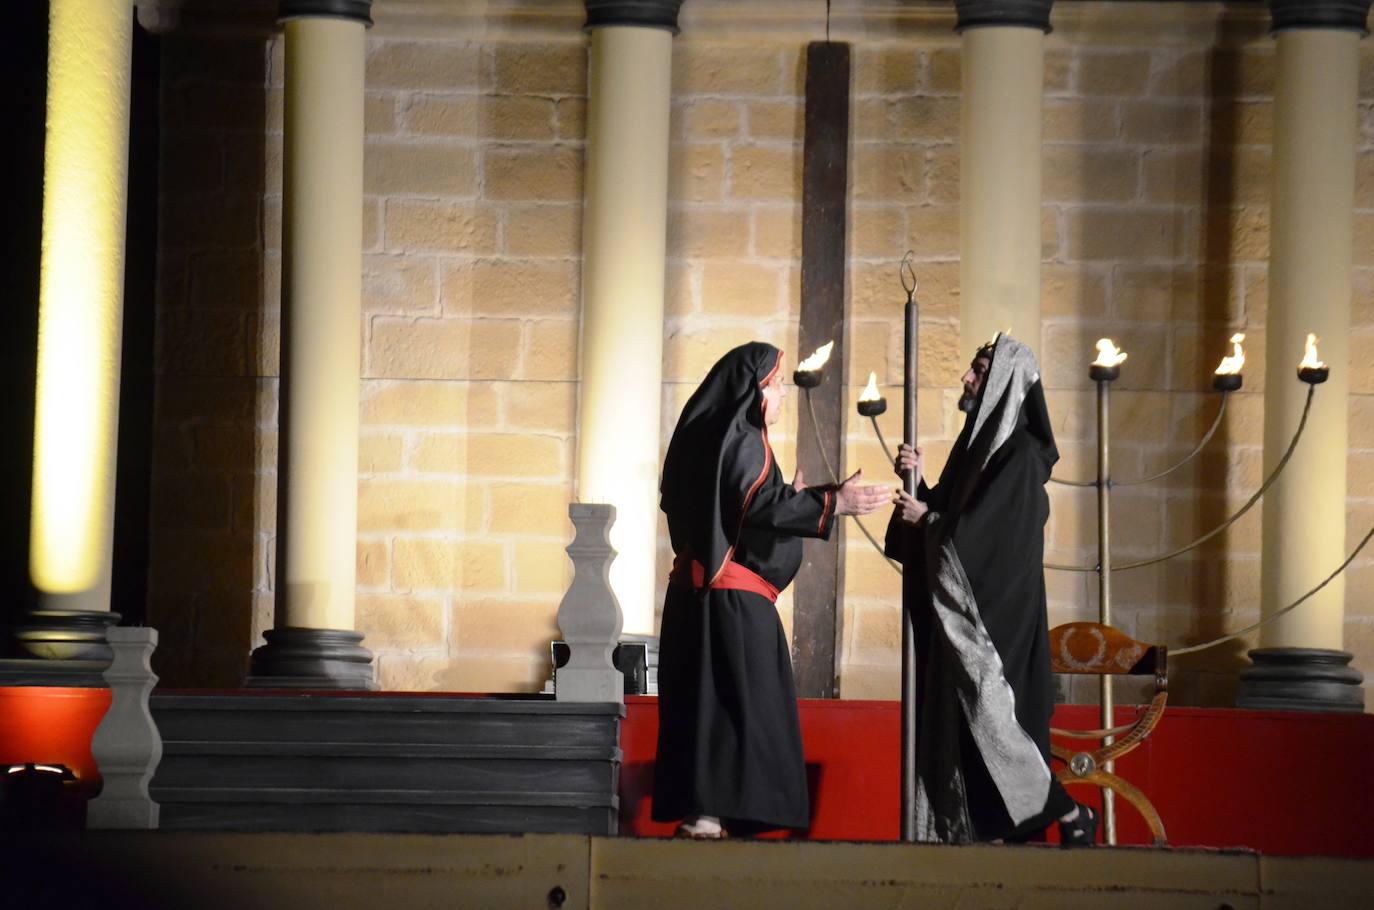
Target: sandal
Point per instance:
(1082, 831)
(684, 832)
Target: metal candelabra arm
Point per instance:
(1174, 652)
(882, 442)
(816, 429)
(1268, 482)
(1207, 437)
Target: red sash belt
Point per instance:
(734, 577)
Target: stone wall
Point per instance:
(1157, 132)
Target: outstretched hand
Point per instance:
(798, 483)
(853, 499)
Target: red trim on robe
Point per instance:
(767, 466)
(769, 378)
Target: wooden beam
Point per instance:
(816, 630)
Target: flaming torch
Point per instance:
(807, 375)
(1311, 370)
(871, 402)
(1227, 377)
(1107, 366)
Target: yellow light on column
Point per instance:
(80, 295)
(623, 240)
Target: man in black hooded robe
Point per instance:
(729, 739)
(972, 552)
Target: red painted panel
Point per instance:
(1280, 783)
(49, 725)
(851, 763)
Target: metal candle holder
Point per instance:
(1103, 375)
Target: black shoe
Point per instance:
(1082, 831)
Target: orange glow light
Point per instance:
(871, 392)
(817, 358)
(1236, 360)
(1108, 354)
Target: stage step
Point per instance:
(294, 762)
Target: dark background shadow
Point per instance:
(215, 399)
(23, 62)
(1208, 678)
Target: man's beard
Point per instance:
(967, 402)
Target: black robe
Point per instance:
(974, 587)
(729, 742)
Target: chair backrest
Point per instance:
(1094, 648)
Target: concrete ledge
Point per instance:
(231, 871)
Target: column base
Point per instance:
(1301, 679)
(66, 634)
(639, 679)
(61, 674)
(296, 658)
(123, 814)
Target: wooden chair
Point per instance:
(1094, 649)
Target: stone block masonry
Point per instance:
(1155, 232)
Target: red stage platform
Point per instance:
(1280, 783)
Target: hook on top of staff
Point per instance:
(907, 272)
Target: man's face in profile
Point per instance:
(973, 383)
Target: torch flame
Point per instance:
(1309, 357)
(1108, 354)
(871, 390)
(1233, 363)
(817, 359)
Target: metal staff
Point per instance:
(1102, 372)
(909, 482)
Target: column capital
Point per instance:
(354, 10)
(987, 13)
(642, 13)
(1345, 15)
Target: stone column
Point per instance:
(1300, 664)
(623, 240)
(80, 319)
(999, 169)
(313, 644)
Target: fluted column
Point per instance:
(80, 318)
(1311, 252)
(1003, 56)
(623, 239)
(313, 644)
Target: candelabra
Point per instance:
(1103, 372)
